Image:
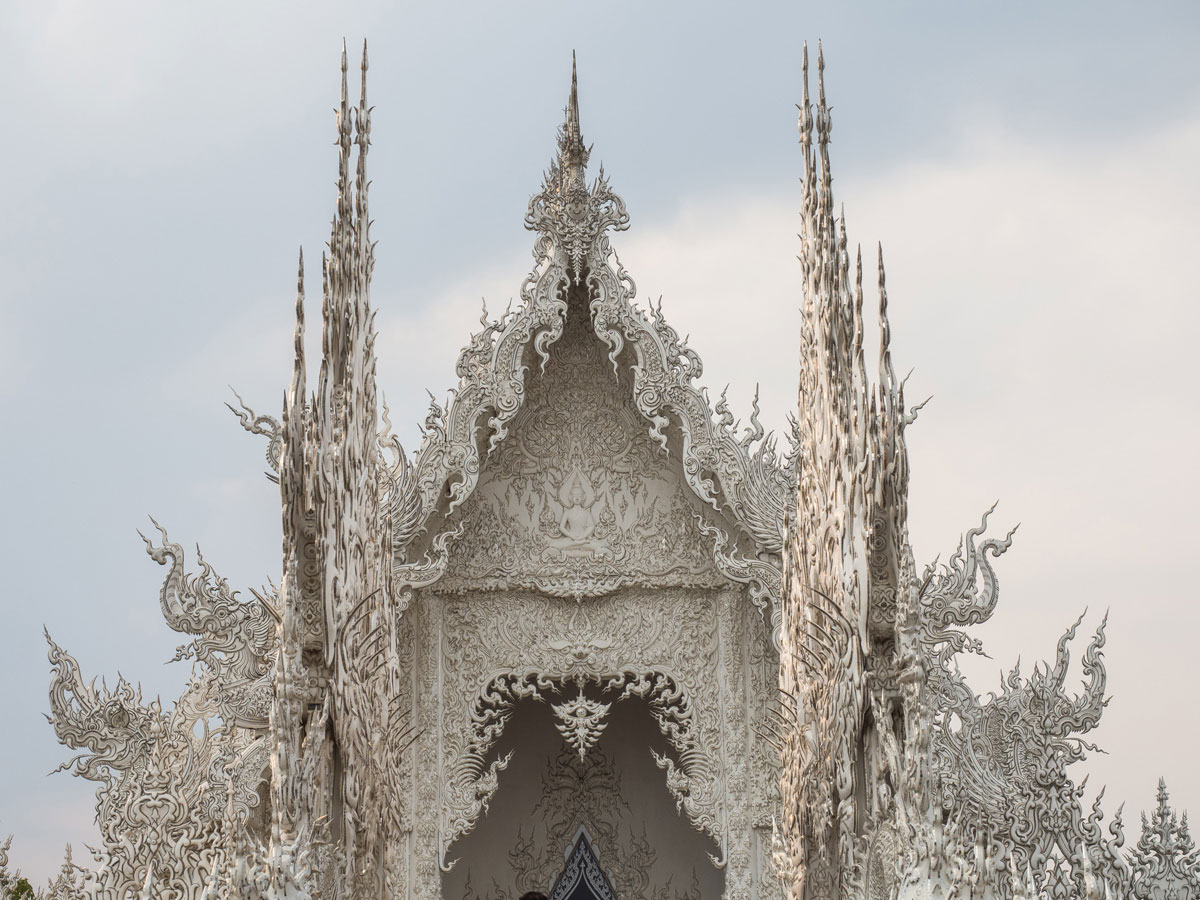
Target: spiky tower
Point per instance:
(847, 559)
(336, 730)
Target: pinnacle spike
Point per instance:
(362, 91)
(299, 335)
(572, 154)
(343, 125)
(804, 69)
(887, 374)
(574, 83)
(573, 133)
(858, 307)
(345, 69)
(362, 126)
(821, 76)
(804, 125)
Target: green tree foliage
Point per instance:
(15, 887)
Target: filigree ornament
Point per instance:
(236, 640)
(566, 210)
(578, 501)
(578, 285)
(580, 793)
(657, 645)
(166, 781)
(1165, 861)
(898, 780)
(693, 776)
(581, 722)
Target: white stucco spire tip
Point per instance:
(572, 154)
(573, 106)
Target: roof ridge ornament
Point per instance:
(566, 210)
(572, 155)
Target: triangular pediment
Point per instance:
(578, 499)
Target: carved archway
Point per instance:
(702, 656)
(616, 792)
(581, 703)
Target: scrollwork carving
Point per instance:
(578, 501)
(235, 640)
(581, 721)
(584, 531)
(660, 646)
(166, 782)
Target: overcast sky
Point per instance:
(1031, 170)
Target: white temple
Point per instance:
(594, 638)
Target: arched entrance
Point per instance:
(687, 675)
(567, 804)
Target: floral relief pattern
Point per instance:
(578, 500)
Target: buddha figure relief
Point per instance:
(576, 525)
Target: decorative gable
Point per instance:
(599, 515)
(578, 500)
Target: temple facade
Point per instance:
(593, 637)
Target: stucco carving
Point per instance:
(235, 640)
(581, 721)
(577, 500)
(644, 848)
(659, 646)
(581, 526)
(739, 476)
(1165, 860)
(167, 781)
(898, 780)
(582, 795)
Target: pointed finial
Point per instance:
(573, 104)
(804, 123)
(362, 95)
(572, 155)
(824, 125)
(298, 337)
(362, 137)
(344, 128)
(345, 70)
(887, 374)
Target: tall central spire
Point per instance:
(566, 210)
(572, 155)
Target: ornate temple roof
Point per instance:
(739, 476)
